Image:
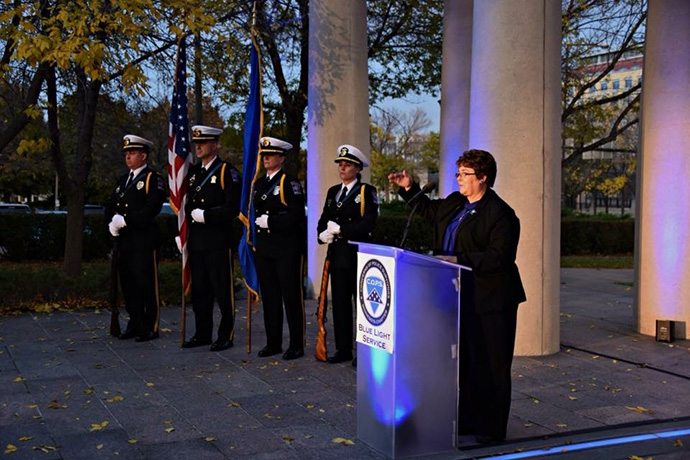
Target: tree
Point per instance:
(83, 47)
(614, 29)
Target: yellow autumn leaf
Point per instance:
(165, 329)
(115, 399)
(132, 441)
(288, 439)
(98, 426)
(150, 384)
(19, 379)
(572, 398)
(639, 409)
(170, 430)
(10, 448)
(678, 443)
(561, 425)
(347, 442)
(26, 438)
(88, 391)
(32, 406)
(99, 447)
(210, 438)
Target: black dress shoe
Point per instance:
(220, 345)
(340, 357)
(194, 342)
(145, 337)
(128, 334)
(269, 351)
(293, 353)
(487, 440)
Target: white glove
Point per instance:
(326, 237)
(113, 229)
(118, 221)
(333, 227)
(262, 221)
(178, 242)
(198, 215)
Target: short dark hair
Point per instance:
(481, 161)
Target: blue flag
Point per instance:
(253, 126)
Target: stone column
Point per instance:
(338, 111)
(662, 249)
(515, 114)
(455, 89)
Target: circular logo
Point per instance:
(375, 292)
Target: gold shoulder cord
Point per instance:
(361, 200)
(222, 176)
(282, 193)
(148, 177)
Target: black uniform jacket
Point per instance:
(284, 204)
(486, 242)
(139, 204)
(216, 191)
(353, 225)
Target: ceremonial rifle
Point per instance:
(321, 350)
(114, 312)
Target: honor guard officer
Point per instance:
(280, 244)
(131, 211)
(213, 195)
(349, 214)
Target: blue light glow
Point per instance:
(389, 408)
(593, 444)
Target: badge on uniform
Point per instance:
(140, 185)
(276, 190)
(213, 179)
(117, 190)
(358, 199)
(192, 179)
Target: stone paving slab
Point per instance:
(61, 374)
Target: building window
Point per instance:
(639, 80)
(616, 84)
(604, 86)
(628, 83)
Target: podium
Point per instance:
(407, 351)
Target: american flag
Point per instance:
(179, 157)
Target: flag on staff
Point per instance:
(179, 157)
(253, 125)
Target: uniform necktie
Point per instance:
(343, 194)
(130, 178)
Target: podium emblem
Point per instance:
(374, 292)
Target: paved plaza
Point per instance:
(70, 391)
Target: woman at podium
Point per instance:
(476, 228)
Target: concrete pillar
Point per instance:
(515, 114)
(455, 89)
(662, 251)
(338, 110)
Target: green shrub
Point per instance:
(596, 236)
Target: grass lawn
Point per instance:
(597, 261)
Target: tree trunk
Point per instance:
(294, 119)
(87, 93)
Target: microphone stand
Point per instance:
(409, 222)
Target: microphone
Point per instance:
(429, 187)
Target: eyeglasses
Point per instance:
(464, 174)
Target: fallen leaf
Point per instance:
(165, 329)
(98, 426)
(561, 425)
(528, 424)
(167, 422)
(10, 448)
(310, 406)
(19, 379)
(99, 447)
(572, 398)
(132, 441)
(678, 443)
(32, 406)
(639, 409)
(150, 384)
(115, 399)
(88, 391)
(347, 442)
(170, 430)
(25, 438)
(45, 449)
(211, 438)
(288, 439)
